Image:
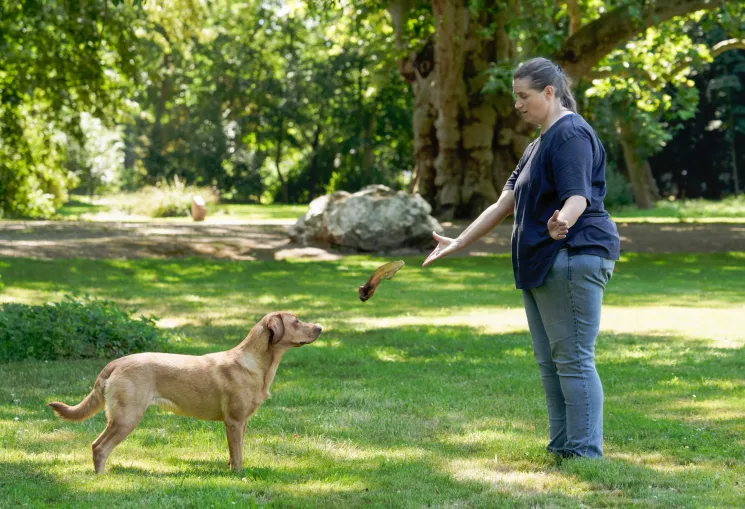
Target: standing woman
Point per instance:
(564, 247)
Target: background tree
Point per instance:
(59, 59)
(474, 139)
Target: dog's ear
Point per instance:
(276, 328)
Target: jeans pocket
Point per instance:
(606, 268)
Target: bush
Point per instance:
(618, 189)
(170, 199)
(75, 328)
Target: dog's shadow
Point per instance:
(195, 468)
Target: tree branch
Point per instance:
(574, 10)
(716, 50)
(727, 45)
(583, 50)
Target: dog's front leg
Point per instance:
(235, 430)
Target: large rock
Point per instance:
(376, 218)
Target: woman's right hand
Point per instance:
(445, 246)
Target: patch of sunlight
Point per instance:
(717, 325)
(64, 459)
(171, 322)
(313, 488)
(501, 475)
(662, 464)
(389, 354)
(723, 385)
(479, 437)
(696, 408)
(321, 343)
(348, 451)
(27, 296)
(494, 320)
(516, 352)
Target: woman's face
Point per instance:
(534, 105)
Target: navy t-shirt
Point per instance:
(567, 160)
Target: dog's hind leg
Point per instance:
(124, 410)
(116, 431)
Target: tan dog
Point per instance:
(224, 386)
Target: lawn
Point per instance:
(729, 210)
(117, 208)
(426, 395)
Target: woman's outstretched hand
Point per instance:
(445, 246)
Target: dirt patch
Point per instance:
(124, 240)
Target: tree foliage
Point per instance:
(285, 100)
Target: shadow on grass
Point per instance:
(434, 396)
(200, 484)
(195, 287)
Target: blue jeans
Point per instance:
(564, 320)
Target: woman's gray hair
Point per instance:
(541, 73)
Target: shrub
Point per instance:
(169, 199)
(75, 328)
(618, 189)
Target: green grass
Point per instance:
(117, 207)
(426, 395)
(76, 209)
(728, 210)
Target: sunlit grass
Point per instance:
(108, 208)
(728, 210)
(427, 394)
(118, 207)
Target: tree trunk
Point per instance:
(733, 153)
(367, 150)
(425, 139)
(640, 173)
(278, 160)
(313, 171)
(466, 143)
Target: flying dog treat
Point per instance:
(388, 270)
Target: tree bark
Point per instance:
(574, 11)
(313, 171)
(450, 101)
(278, 160)
(367, 150)
(639, 170)
(733, 153)
(467, 143)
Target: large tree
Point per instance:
(468, 137)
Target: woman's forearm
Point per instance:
(488, 219)
(573, 207)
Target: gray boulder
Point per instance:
(376, 218)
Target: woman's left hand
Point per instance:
(557, 228)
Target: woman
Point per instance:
(564, 247)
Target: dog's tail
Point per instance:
(90, 406)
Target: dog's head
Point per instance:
(286, 330)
